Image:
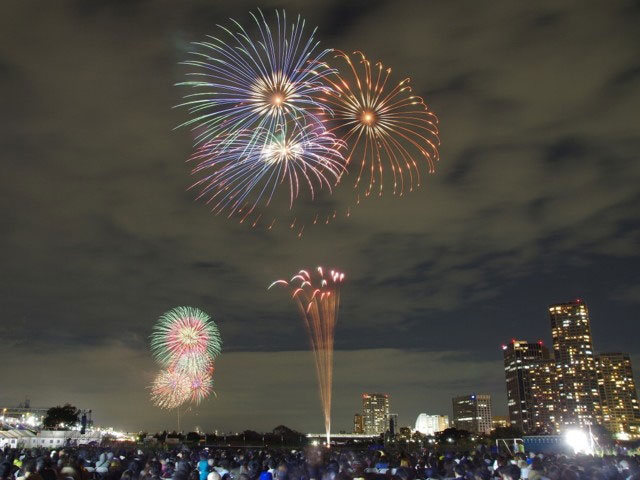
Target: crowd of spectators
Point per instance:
(312, 463)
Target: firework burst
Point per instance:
(317, 296)
(384, 124)
(185, 342)
(170, 389)
(243, 82)
(200, 386)
(191, 364)
(242, 176)
(185, 332)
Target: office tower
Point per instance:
(472, 413)
(430, 424)
(620, 410)
(576, 374)
(528, 373)
(358, 423)
(375, 410)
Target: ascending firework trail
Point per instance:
(318, 298)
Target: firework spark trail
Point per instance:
(318, 302)
(387, 124)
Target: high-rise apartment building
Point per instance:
(529, 374)
(576, 373)
(472, 413)
(375, 411)
(430, 424)
(544, 395)
(520, 359)
(620, 410)
(358, 423)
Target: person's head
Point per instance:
(459, 471)
(482, 474)
(430, 473)
(5, 470)
(536, 464)
(126, 475)
(510, 472)
(29, 466)
(154, 469)
(569, 474)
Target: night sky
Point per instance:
(535, 201)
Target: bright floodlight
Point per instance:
(578, 441)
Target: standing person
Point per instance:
(29, 471)
(43, 467)
(5, 470)
(203, 467)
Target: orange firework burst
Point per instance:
(384, 125)
(170, 389)
(318, 299)
(200, 386)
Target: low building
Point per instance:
(430, 424)
(47, 438)
(17, 439)
(501, 421)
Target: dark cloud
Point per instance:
(535, 200)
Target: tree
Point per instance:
(64, 416)
(251, 436)
(286, 435)
(506, 432)
(452, 435)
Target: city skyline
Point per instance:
(573, 387)
(543, 358)
(534, 201)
